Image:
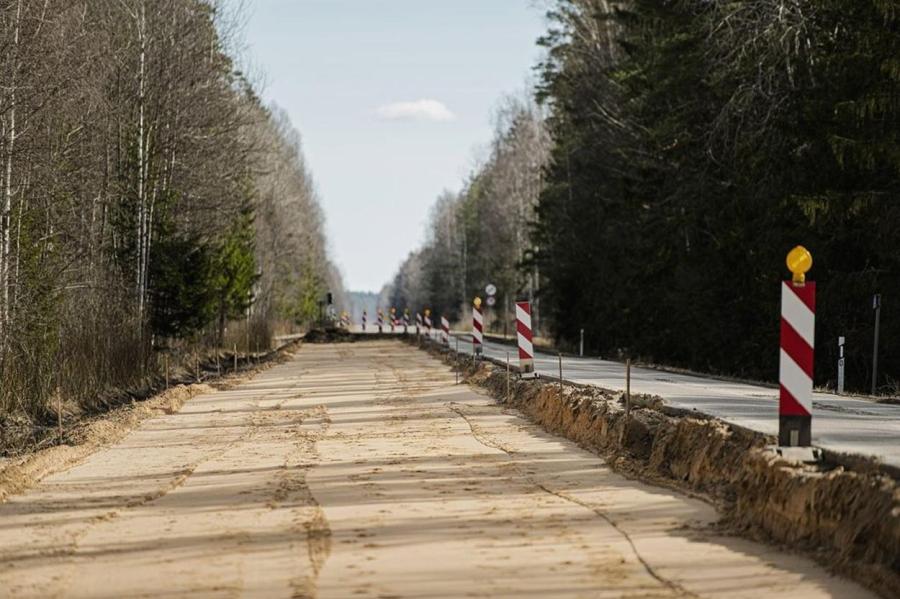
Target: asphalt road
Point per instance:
(839, 423)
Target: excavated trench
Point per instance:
(844, 511)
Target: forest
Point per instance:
(670, 155)
(152, 205)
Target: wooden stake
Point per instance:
(59, 414)
(235, 357)
(166, 359)
(628, 388)
(507, 377)
(457, 360)
(560, 373)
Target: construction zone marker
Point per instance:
(525, 339)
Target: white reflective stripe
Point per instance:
(525, 345)
(479, 338)
(445, 323)
(795, 381)
(477, 316)
(523, 316)
(798, 315)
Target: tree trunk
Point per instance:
(5, 220)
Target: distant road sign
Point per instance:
(491, 300)
(491, 290)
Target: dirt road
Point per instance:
(361, 470)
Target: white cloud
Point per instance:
(417, 110)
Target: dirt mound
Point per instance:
(329, 335)
(843, 512)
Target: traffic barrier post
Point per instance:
(798, 319)
(477, 328)
(840, 376)
(525, 339)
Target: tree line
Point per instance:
(694, 143)
(480, 235)
(149, 201)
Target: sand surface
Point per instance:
(361, 470)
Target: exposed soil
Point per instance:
(845, 511)
(50, 450)
(363, 470)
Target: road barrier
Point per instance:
(798, 328)
(525, 338)
(445, 331)
(477, 328)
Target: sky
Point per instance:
(393, 100)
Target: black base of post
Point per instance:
(795, 431)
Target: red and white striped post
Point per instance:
(419, 323)
(526, 340)
(380, 320)
(798, 328)
(428, 322)
(445, 331)
(364, 316)
(477, 327)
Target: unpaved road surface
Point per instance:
(361, 470)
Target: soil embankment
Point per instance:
(844, 511)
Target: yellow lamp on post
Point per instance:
(427, 312)
(477, 302)
(799, 261)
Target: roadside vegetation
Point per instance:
(693, 143)
(150, 204)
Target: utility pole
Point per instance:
(876, 305)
